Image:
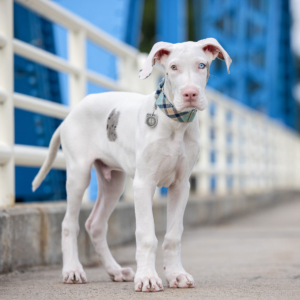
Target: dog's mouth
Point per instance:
(189, 105)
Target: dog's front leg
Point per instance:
(175, 274)
(146, 278)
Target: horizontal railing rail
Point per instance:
(40, 106)
(43, 57)
(29, 156)
(242, 151)
(72, 22)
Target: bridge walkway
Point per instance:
(252, 257)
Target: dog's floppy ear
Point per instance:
(157, 52)
(212, 45)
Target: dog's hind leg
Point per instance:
(78, 178)
(110, 188)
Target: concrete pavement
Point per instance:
(253, 257)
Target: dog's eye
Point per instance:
(202, 66)
(173, 67)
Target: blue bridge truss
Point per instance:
(256, 34)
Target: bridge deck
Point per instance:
(253, 257)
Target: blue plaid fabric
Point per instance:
(168, 108)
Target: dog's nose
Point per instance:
(190, 94)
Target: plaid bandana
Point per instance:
(168, 108)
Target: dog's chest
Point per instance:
(173, 162)
(176, 148)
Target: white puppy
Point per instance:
(156, 144)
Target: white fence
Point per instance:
(242, 150)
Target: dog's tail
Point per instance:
(44, 170)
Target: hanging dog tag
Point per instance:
(151, 120)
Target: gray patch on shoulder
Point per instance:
(112, 123)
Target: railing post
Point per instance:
(203, 166)
(265, 157)
(77, 57)
(128, 73)
(247, 149)
(273, 154)
(297, 160)
(235, 148)
(221, 187)
(7, 167)
(77, 82)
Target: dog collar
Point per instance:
(168, 108)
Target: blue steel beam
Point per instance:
(171, 26)
(30, 128)
(256, 34)
(134, 22)
(120, 18)
(171, 20)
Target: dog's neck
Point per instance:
(168, 108)
(168, 90)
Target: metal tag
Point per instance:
(151, 120)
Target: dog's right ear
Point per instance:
(157, 52)
(212, 46)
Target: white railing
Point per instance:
(252, 152)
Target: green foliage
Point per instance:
(148, 37)
(148, 26)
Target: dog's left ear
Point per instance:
(216, 50)
(157, 52)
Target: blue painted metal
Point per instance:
(134, 22)
(31, 128)
(120, 18)
(256, 34)
(171, 21)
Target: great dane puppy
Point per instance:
(152, 138)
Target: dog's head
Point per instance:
(186, 70)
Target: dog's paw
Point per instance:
(74, 276)
(122, 274)
(181, 281)
(152, 284)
